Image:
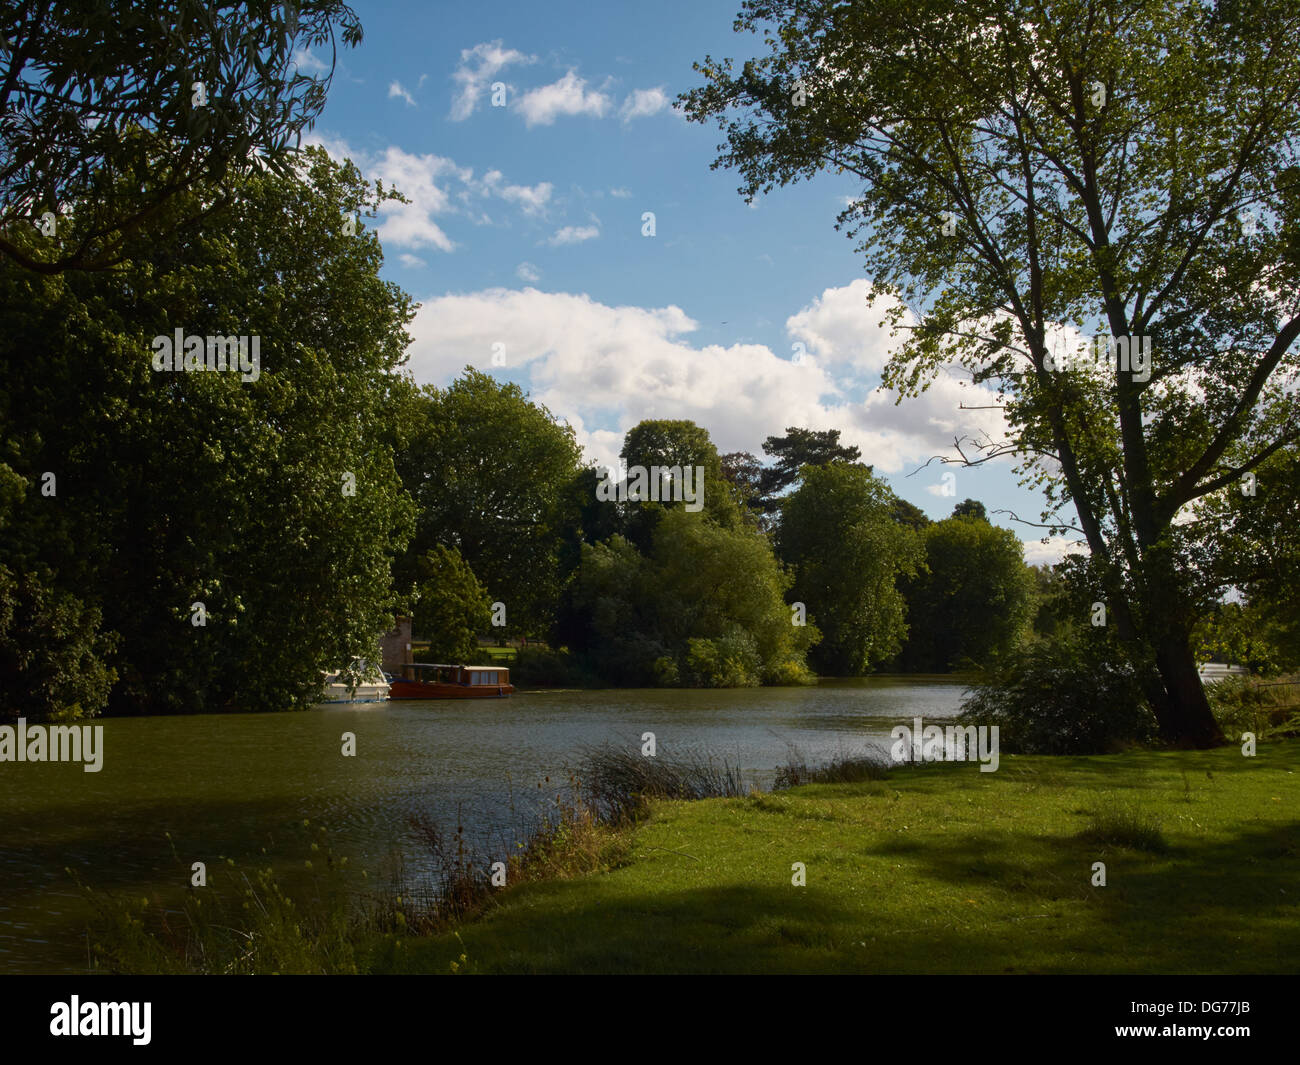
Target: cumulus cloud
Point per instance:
(568, 96)
(841, 326)
(572, 235)
(425, 181)
(608, 367)
(477, 67)
(436, 186)
(395, 90)
(528, 272)
(411, 261)
(643, 102)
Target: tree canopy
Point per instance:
(112, 111)
(193, 540)
(1035, 176)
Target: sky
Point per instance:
(527, 242)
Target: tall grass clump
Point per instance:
(617, 782)
(842, 769)
(241, 922)
(1125, 825)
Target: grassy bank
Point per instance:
(939, 868)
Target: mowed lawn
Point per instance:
(939, 869)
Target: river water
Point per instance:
(175, 790)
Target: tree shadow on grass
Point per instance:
(1231, 906)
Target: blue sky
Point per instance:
(524, 242)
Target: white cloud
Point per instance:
(528, 272)
(621, 193)
(531, 199)
(568, 96)
(410, 261)
(1055, 548)
(395, 89)
(478, 66)
(840, 326)
(573, 235)
(423, 179)
(609, 367)
(436, 186)
(308, 63)
(643, 102)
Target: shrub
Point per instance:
(545, 667)
(1247, 704)
(1062, 697)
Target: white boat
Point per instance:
(359, 683)
(1215, 671)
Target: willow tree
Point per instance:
(1033, 172)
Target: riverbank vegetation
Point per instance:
(923, 868)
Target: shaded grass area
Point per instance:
(939, 868)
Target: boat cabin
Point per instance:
(441, 680)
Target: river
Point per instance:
(241, 786)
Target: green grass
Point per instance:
(939, 868)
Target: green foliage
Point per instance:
(101, 113)
(705, 608)
(175, 488)
(973, 600)
(1065, 696)
(667, 444)
(453, 608)
(53, 651)
(492, 474)
(839, 537)
(547, 667)
(792, 452)
(1264, 707)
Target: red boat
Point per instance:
(433, 680)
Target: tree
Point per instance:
(970, 508)
(972, 601)
(838, 535)
(491, 474)
(909, 514)
(744, 473)
(226, 536)
(797, 449)
(453, 608)
(1029, 169)
(703, 607)
(115, 110)
(671, 444)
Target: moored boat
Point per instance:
(360, 683)
(436, 680)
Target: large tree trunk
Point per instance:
(1185, 717)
